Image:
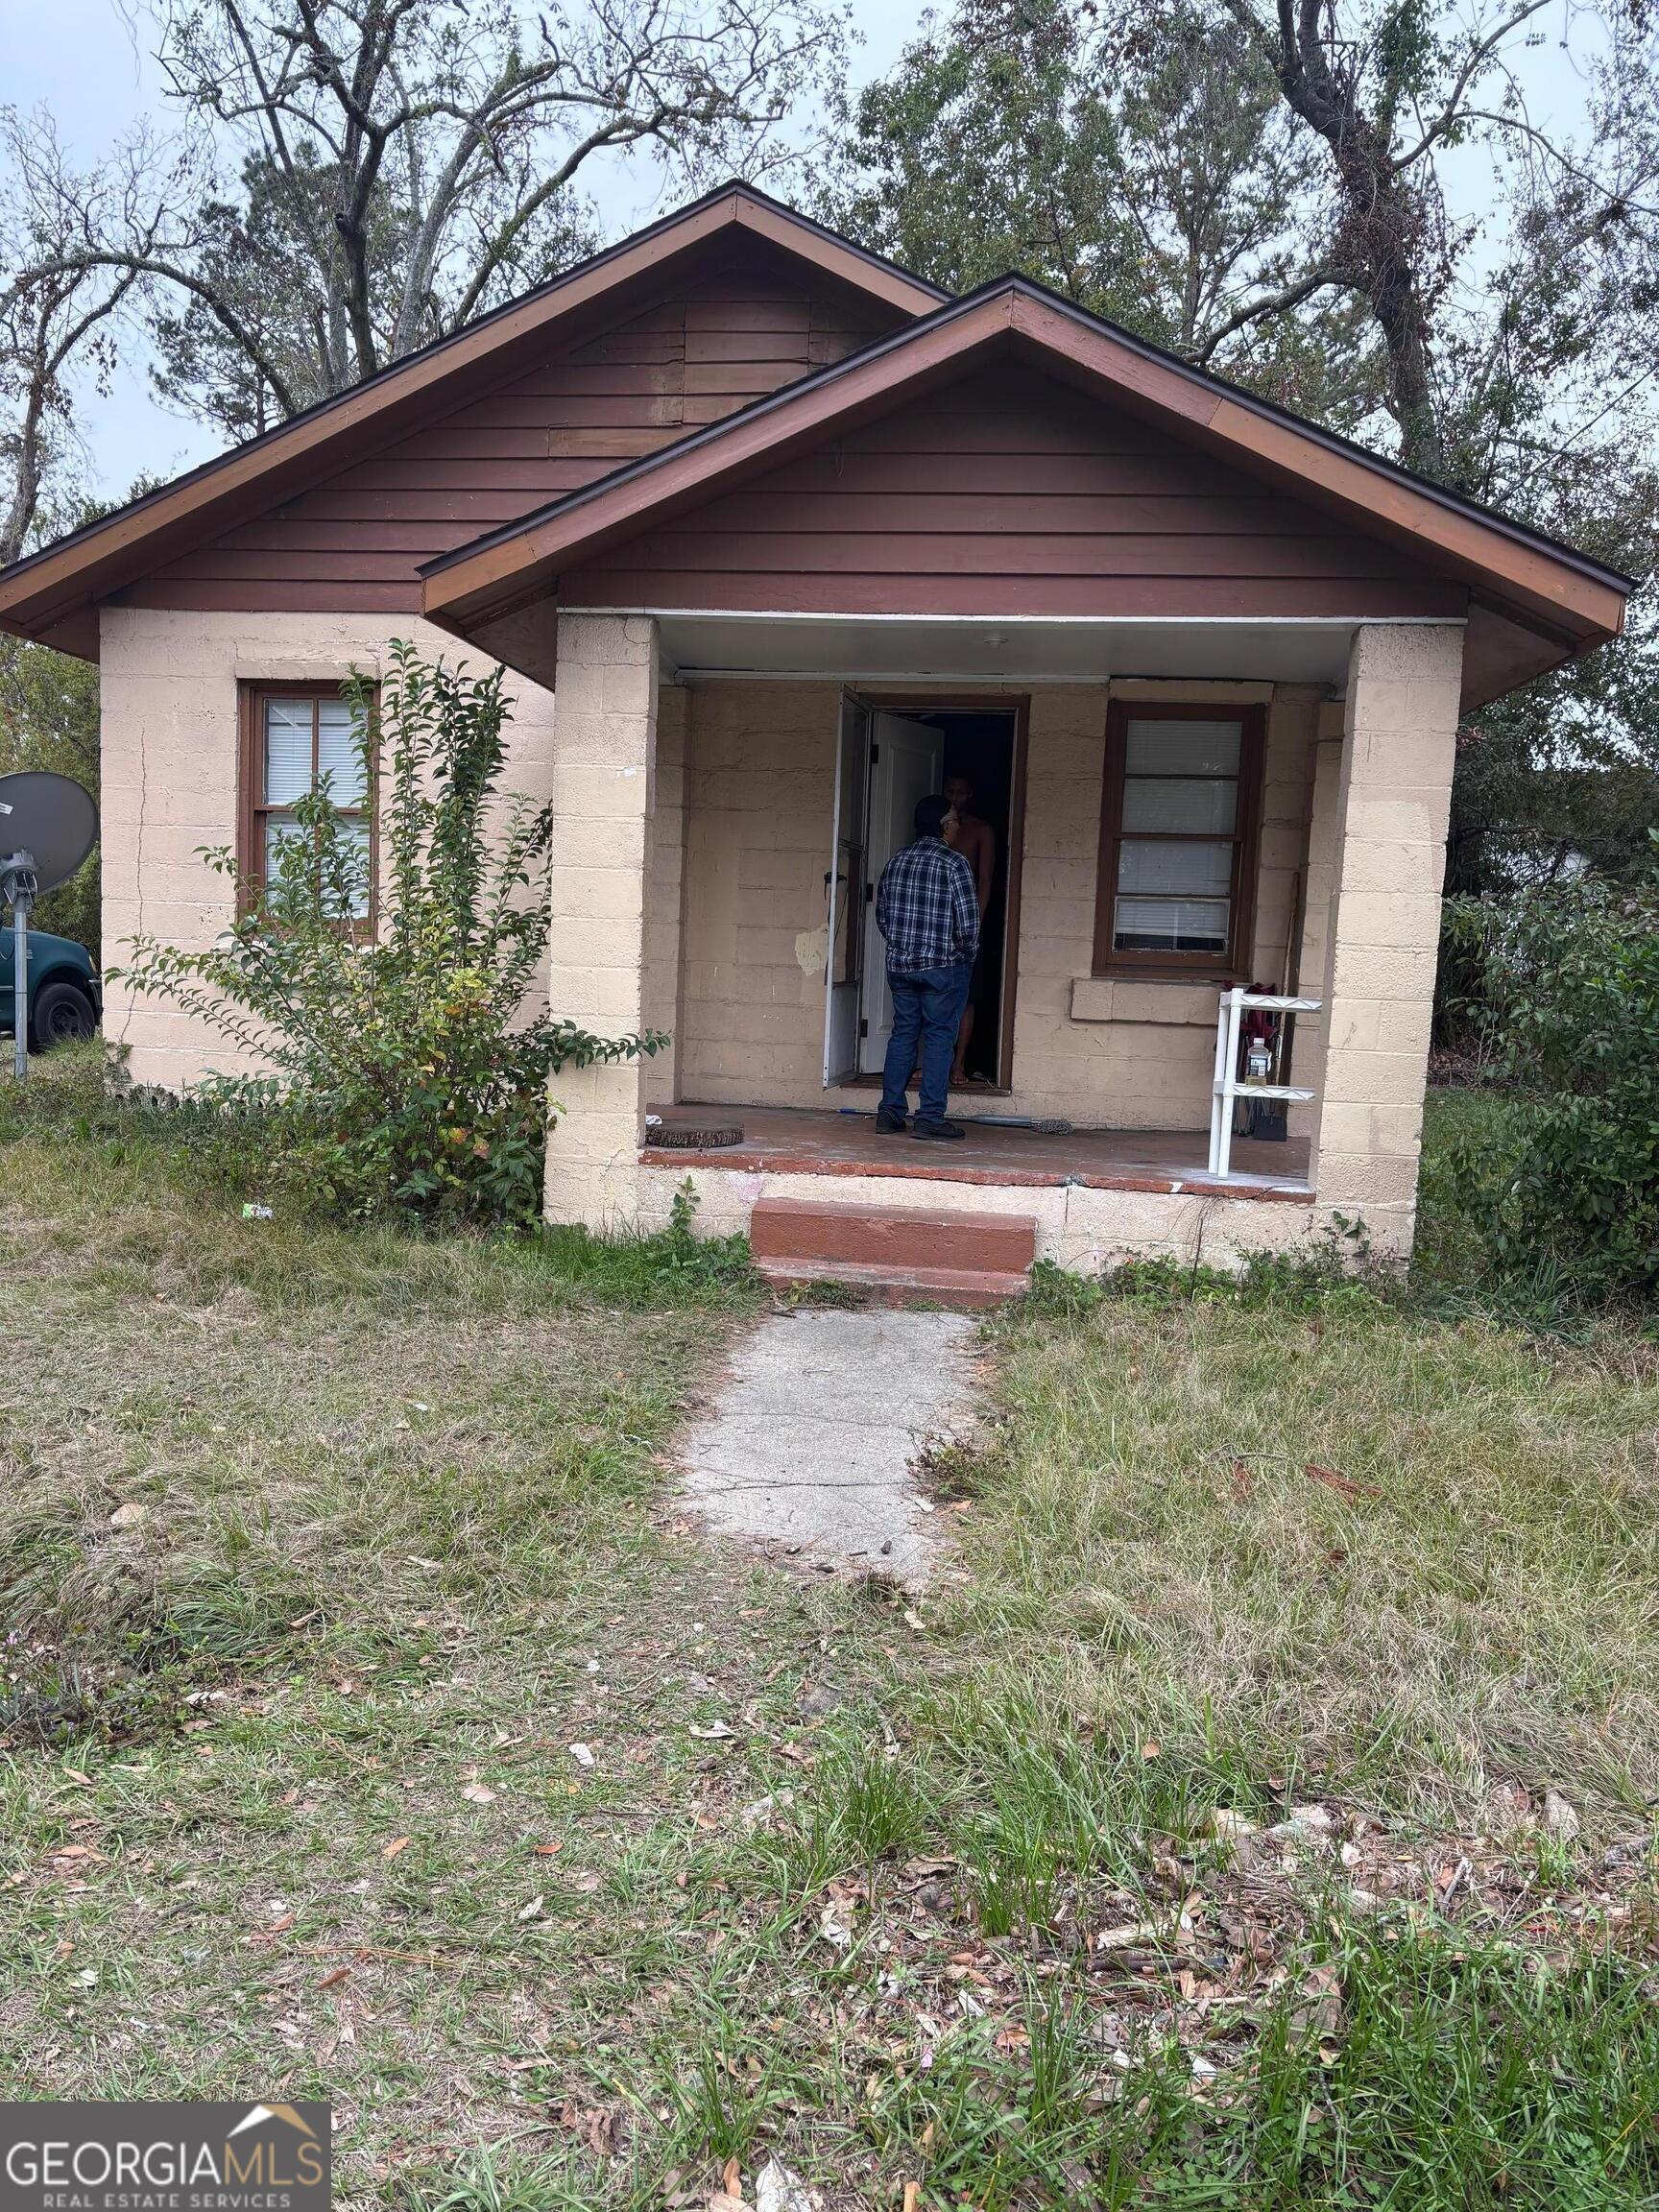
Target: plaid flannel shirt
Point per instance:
(927, 907)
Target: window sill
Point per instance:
(1171, 1002)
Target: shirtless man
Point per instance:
(977, 842)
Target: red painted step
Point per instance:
(955, 1259)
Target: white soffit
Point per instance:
(1038, 650)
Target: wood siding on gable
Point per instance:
(1009, 492)
(355, 543)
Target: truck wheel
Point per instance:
(62, 1014)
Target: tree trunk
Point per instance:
(1385, 235)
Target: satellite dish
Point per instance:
(48, 824)
(50, 818)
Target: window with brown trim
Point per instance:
(1179, 814)
(292, 737)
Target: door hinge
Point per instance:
(869, 894)
(874, 754)
(863, 1029)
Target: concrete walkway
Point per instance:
(809, 1442)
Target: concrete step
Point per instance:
(894, 1252)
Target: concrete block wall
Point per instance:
(1323, 834)
(689, 861)
(603, 769)
(170, 737)
(1077, 1228)
(738, 843)
(667, 898)
(759, 771)
(1400, 731)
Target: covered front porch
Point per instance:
(751, 794)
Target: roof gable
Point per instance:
(51, 595)
(737, 319)
(1568, 601)
(1005, 490)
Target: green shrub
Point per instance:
(1572, 1020)
(404, 1075)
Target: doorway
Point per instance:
(893, 752)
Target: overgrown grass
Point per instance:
(1451, 1263)
(1154, 1859)
(1416, 1556)
(237, 1438)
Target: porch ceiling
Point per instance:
(896, 648)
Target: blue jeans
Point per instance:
(927, 1005)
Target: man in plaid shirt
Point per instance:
(928, 909)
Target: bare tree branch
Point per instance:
(403, 164)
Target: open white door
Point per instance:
(906, 762)
(844, 886)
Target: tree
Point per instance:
(1388, 88)
(1142, 165)
(62, 300)
(400, 166)
(61, 317)
(1262, 188)
(49, 719)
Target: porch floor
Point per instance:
(791, 1140)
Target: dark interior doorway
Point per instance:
(982, 746)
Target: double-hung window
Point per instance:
(1178, 823)
(292, 738)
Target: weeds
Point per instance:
(864, 1806)
(1336, 1274)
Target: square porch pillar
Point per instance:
(603, 796)
(1400, 731)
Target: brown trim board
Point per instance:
(1234, 964)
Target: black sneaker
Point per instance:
(890, 1124)
(938, 1132)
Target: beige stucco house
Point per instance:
(772, 537)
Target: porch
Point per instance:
(1157, 839)
(843, 1142)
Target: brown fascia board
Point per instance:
(516, 561)
(50, 590)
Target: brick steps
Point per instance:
(894, 1252)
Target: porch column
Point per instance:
(1400, 729)
(602, 779)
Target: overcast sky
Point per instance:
(88, 62)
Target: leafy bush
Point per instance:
(403, 1072)
(1572, 1018)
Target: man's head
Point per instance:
(930, 814)
(958, 791)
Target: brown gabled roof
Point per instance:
(1564, 599)
(51, 595)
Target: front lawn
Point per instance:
(1257, 1814)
